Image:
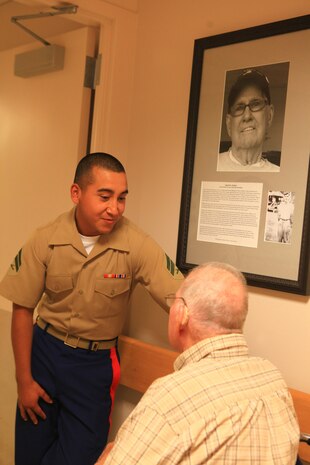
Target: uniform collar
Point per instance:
(117, 239)
(66, 233)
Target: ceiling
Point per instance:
(12, 36)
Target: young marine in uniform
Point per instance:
(79, 272)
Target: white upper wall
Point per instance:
(141, 116)
(278, 325)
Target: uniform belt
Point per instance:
(76, 341)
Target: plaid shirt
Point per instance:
(220, 406)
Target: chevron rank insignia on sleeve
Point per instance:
(172, 268)
(16, 264)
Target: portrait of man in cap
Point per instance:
(249, 117)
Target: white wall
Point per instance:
(278, 325)
(141, 117)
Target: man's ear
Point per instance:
(270, 115)
(75, 193)
(184, 317)
(228, 124)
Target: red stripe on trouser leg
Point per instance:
(115, 380)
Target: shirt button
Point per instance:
(76, 315)
(112, 292)
(81, 291)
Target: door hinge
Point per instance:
(92, 72)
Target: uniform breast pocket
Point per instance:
(112, 288)
(58, 287)
(112, 296)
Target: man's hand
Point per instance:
(28, 401)
(29, 391)
(105, 454)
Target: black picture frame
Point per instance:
(270, 265)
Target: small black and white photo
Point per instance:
(279, 216)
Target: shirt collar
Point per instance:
(261, 160)
(223, 346)
(66, 233)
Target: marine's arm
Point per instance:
(29, 391)
(156, 271)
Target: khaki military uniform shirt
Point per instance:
(87, 295)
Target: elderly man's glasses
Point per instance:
(254, 105)
(170, 298)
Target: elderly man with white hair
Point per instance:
(221, 405)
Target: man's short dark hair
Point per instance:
(102, 160)
(250, 77)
